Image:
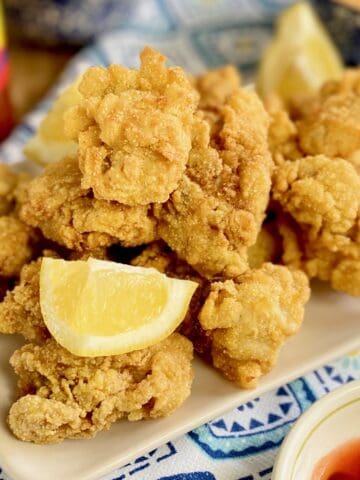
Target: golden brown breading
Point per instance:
(291, 241)
(325, 123)
(133, 129)
(17, 245)
(20, 310)
(216, 212)
(69, 215)
(17, 241)
(64, 396)
(329, 257)
(12, 186)
(250, 319)
(330, 121)
(215, 86)
(8, 183)
(320, 193)
(283, 134)
(238, 325)
(100, 253)
(267, 247)
(345, 276)
(156, 255)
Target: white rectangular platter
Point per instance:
(331, 329)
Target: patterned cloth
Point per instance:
(199, 34)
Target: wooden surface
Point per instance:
(33, 71)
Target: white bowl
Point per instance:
(331, 421)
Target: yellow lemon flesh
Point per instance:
(97, 308)
(50, 144)
(300, 58)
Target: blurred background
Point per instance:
(42, 35)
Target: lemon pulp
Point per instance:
(130, 301)
(96, 307)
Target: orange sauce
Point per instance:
(342, 463)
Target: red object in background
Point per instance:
(6, 119)
(342, 463)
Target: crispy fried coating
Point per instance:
(249, 320)
(100, 253)
(325, 123)
(329, 122)
(333, 258)
(17, 241)
(316, 149)
(238, 325)
(319, 192)
(17, 245)
(267, 247)
(283, 133)
(215, 87)
(12, 187)
(72, 217)
(133, 129)
(216, 212)
(8, 183)
(64, 396)
(20, 310)
(157, 255)
(329, 257)
(291, 241)
(345, 276)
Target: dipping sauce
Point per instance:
(342, 463)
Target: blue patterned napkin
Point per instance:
(199, 34)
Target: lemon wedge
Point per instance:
(50, 144)
(301, 56)
(97, 308)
